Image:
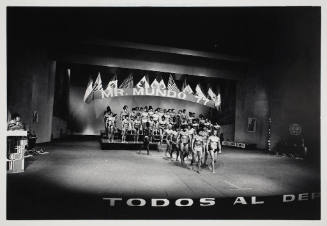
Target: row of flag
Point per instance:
(158, 83)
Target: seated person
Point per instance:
(292, 146)
(15, 123)
(31, 147)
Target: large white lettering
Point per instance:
(136, 202)
(138, 91)
(110, 93)
(184, 202)
(119, 92)
(107, 93)
(171, 93)
(161, 92)
(207, 201)
(181, 95)
(159, 202)
(149, 92)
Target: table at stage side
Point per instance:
(16, 147)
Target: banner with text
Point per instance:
(111, 93)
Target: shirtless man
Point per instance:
(184, 123)
(167, 114)
(137, 127)
(130, 128)
(168, 133)
(183, 115)
(191, 132)
(160, 113)
(174, 144)
(162, 127)
(125, 125)
(155, 133)
(106, 116)
(197, 149)
(208, 124)
(151, 124)
(195, 123)
(204, 133)
(216, 127)
(144, 117)
(111, 125)
(124, 113)
(201, 121)
(190, 118)
(150, 111)
(133, 113)
(184, 139)
(213, 144)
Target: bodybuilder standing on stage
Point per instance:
(216, 127)
(124, 113)
(197, 149)
(137, 128)
(174, 143)
(162, 127)
(213, 144)
(204, 133)
(110, 123)
(168, 133)
(184, 144)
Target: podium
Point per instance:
(16, 147)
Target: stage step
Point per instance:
(129, 145)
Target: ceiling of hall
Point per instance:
(249, 32)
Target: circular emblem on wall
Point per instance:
(295, 129)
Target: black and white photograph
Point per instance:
(163, 113)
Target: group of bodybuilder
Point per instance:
(186, 135)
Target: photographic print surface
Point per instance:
(163, 113)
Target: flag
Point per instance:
(89, 90)
(172, 85)
(127, 83)
(113, 83)
(143, 83)
(98, 84)
(162, 84)
(211, 94)
(187, 88)
(155, 84)
(199, 92)
(218, 101)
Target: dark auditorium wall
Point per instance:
(295, 98)
(287, 74)
(251, 102)
(30, 86)
(295, 91)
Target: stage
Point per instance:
(128, 145)
(75, 176)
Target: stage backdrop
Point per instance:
(87, 118)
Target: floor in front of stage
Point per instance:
(81, 169)
(84, 167)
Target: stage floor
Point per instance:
(82, 169)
